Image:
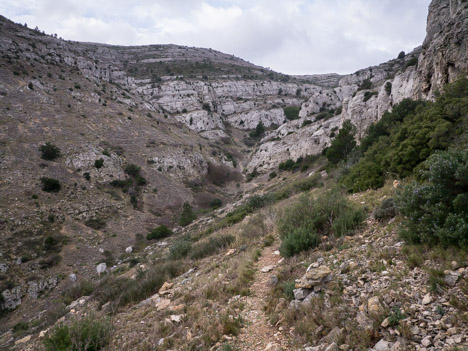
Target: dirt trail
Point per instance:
(259, 334)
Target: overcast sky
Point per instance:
(289, 36)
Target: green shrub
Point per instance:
(435, 208)
(411, 62)
(303, 222)
(216, 203)
(96, 223)
(20, 327)
(180, 249)
(50, 261)
(388, 88)
(343, 143)
(49, 151)
(258, 131)
(286, 165)
(158, 233)
(386, 210)
(272, 175)
(124, 291)
(298, 240)
(348, 221)
(365, 85)
(86, 334)
(99, 163)
(369, 94)
(187, 216)
(132, 170)
(211, 246)
(287, 289)
(50, 185)
(292, 112)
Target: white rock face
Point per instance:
(249, 120)
(181, 164)
(84, 161)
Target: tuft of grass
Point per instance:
(211, 246)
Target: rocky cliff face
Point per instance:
(364, 96)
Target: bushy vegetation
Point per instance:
(124, 291)
(187, 216)
(49, 151)
(343, 143)
(258, 131)
(302, 163)
(435, 208)
(96, 223)
(305, 221)
(386, 210)
(292, 112)
(407, 136)
(50, 185)
(86, 334)
(210, 246)
(159, 233)
(99, 163)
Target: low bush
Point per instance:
(99, 163)
(435, 208)
(50, 261)
(386, 210)
(124, 291)
(292, 112)
(303, 222)
(187, 216)
(50, 185)
(86, 334)
(298, 240)
(49, 151)
(158, 233)
(258, 131)
(96, 223)
(216, 203)
(211, 246)
(180, 249)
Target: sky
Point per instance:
(288, 36)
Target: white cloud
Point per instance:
(291, 36)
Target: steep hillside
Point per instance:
(103, 145)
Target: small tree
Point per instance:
(187, 216)
(49, 151)
(158, 233)
(99, 163)
(259, 130)
(50, 185)
(401, 55)
(342, 145)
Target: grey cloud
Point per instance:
(293, 36)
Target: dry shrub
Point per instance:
(219, 174)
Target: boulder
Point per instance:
(314, 277)
(374, 306)
(129, 250)
(101, 268)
